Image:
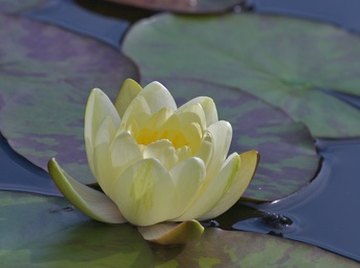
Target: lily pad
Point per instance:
(288, 158)
(39, 231)
(46, 75)
(185, 6)
(18, 6)
(53, 234)
(288, 62)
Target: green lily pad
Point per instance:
(288, 62)
(38, 231)
(219, 248)
(46, 76)
(184, 6)
(18, 6)
(288, 158)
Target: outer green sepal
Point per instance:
(93, 203)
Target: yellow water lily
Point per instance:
(157, 164)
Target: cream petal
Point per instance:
(205, 151)
(103, 170)
(124, 151)
(91, 202)
(145, 193)
(245, 172)
(221, 134)
(128, 91)
(172, 233)
(208, 106)
(187, 177)
(184, 125)
(211, 192)
(157, 96)
(98, 107)
(163, 151)
(193, 113)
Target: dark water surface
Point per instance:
(325, 213)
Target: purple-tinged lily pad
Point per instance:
(46, 75)
(51, 233)
(183, 6)
(288, 158)
(18, 6)
(219, 248)
(288, 62)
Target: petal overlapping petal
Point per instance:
(211, 191)
(208, 106)
(144, 193)
(97, 109)
(242, 177)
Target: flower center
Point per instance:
(147, 136)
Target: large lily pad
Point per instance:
(46, 232)
(288, 158)
(187, 6)
(287, 62)
(18, 6)
(46, 75)
(41, 231)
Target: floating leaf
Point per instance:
(46, 75)
(219, 248)
(287, 62)
(18, 6)
(288, 158)
(186, 6)
(38, 231)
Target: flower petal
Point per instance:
(221, 134)
(208, 106)
(103, 170)
(243, 176)
(145, 193)
(195, 113)
(157, 96)
(172, 233)
(98, 107)
(150, 100)
(128, 91)
(163, 151)
(187, 177)
(91, 202)
(211, 191)
(124, 151)
(205, 151)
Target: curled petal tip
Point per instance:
(172, 233)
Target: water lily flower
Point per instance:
(160, 167)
